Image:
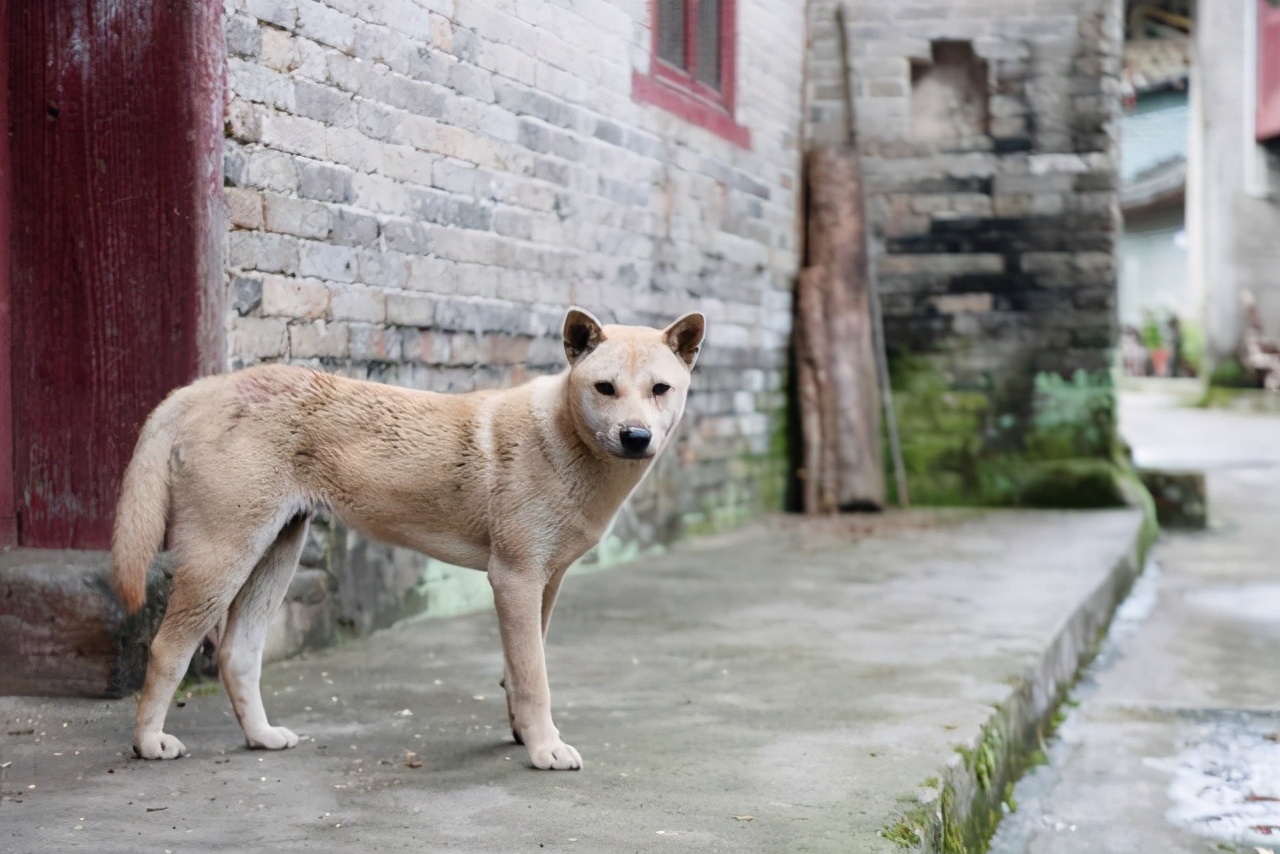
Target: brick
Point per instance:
(513, 223)
(357, 302)
(424, 346)
(504, 349)
(324, 103)
(279, 50)
(324, 182)
(376, 121)
(424, 99)
(255, 338)
(410, 310)
(407, 164)
(243, 36)
(464, 316)
(448, 209)
(242, 121)
(380, 194)
(282, 13)
(294, 298)
(471, 82)
(455, 176)
(410, 237)
(252, 82)
(326, 25)
(350, 228)
(268, 253)
(246, 294)
(374, 343)
(319, 339)
(963, 303)
(347, 146)
(335, 263)
(296, 216)
(372, 42)
(245, 207)
(385, 269)
(270, 170)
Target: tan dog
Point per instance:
(519, 483)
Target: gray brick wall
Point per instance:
(997, 249)
(418, 188)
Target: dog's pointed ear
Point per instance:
(684, 336)
(582, 333)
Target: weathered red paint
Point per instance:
(116, 113)
(8, 511)
(678, 90)
(1268, 124)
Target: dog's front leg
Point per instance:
(517, 594)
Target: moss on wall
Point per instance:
(986, 446)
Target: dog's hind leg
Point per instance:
(195, 607)
(240, 654)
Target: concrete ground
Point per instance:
(785, 688)
(1173, 746)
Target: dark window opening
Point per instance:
(949, 95)
(670, 29)
(692, 71)
(708, 54)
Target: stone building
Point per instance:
(988, 133)
(413, 191)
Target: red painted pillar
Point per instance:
(8, 521)
(116, 277)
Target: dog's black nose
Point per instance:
(635, 439)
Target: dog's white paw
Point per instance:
(158, 745)
(272, 738)
(555, 755)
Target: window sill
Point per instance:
(650, 90)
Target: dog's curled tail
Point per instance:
(143, 509)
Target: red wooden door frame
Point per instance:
(8, 516)
(114, 278)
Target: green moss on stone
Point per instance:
(974, 447)
(1072, 417)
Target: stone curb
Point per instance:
(961, 808)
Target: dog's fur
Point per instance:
(518, 483)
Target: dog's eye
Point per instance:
(660, 389)
(605, 388)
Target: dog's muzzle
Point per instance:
(635, 441)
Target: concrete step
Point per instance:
(854, 684)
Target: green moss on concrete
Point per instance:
(905, 832)
(973, 447)
(1231, 373)
(971, 802)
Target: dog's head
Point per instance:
(627, 384)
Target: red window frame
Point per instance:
(1268, 109)
(678, 90)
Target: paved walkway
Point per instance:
(1172, 747)
(784, 688)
